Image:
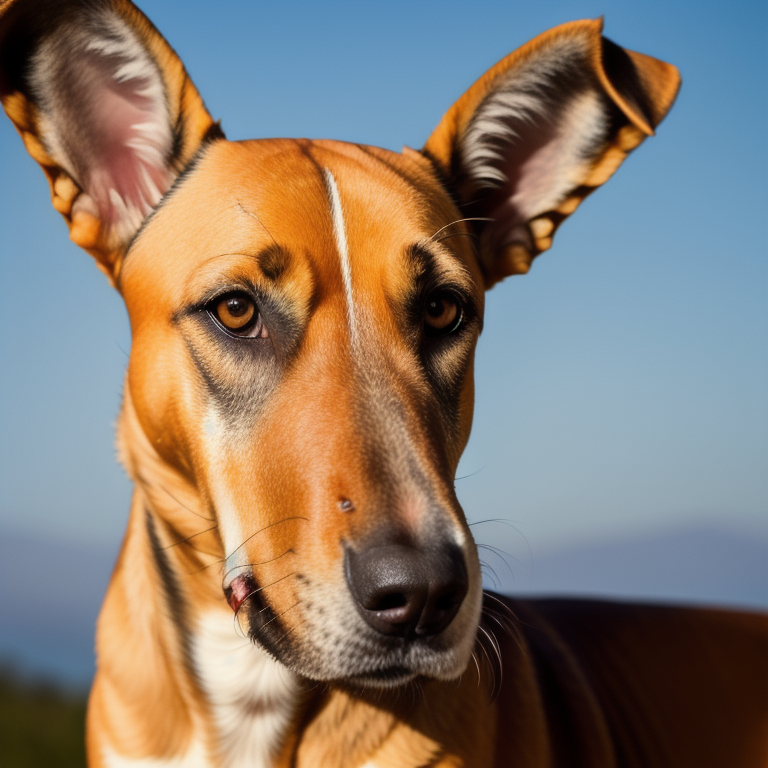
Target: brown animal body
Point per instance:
(304, 316)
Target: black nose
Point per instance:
(404, 592)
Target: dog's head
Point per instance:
(304, 314)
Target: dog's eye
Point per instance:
(442, 314)
(238, 314)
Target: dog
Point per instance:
(298, 585)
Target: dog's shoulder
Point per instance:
(660, 678)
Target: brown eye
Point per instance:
(442, 314)
(238, 314)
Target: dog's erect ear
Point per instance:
(105, 106)
(540, 131)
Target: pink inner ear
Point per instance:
(106, 119)
(531, 171)
(127, 171)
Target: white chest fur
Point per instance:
(252, 697)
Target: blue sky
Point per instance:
(621, 385)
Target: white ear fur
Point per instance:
(104, 118)
(536, 154)
(528, 102)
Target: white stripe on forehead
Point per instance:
(340, 234)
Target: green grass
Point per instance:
(42, 724)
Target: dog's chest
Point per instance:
(252, 698)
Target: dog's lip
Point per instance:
(239, 589)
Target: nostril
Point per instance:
(446, 602)
(446, 599)
(388, 602)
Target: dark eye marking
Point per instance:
(441, 290)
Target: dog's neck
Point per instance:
(253, 699)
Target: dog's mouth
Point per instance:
(333, 644)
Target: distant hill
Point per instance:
(706, 564)
(50, 592)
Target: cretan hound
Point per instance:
(298, 585)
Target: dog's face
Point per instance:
(321, 330)
(304, 316)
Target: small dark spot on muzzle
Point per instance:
(402, 591)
